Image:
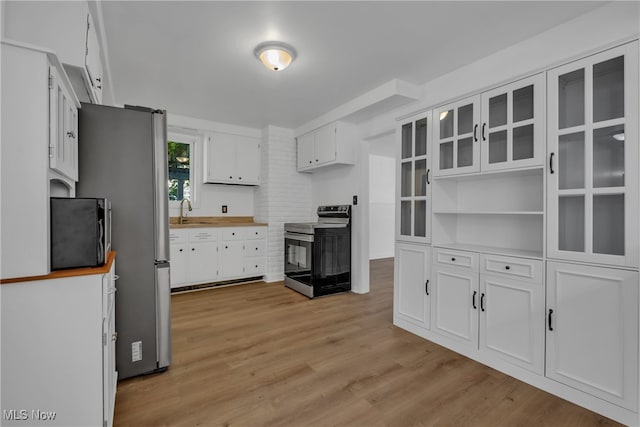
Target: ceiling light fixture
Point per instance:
(276, 56)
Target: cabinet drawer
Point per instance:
(256, 233)
(254, 266)
(177, 236)
(233, 234)
(457, 258)
(520, 268)
(203, 234)
(254, 248)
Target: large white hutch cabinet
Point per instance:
(521, 249)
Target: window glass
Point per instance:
(180, 151)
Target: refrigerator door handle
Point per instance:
(161, 177)
(163, 314)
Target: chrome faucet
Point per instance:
(182, 217)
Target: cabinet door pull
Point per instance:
(428, 171)
(426, 287)
(473, 300)
(551, 162)
(482, 301)
(484, 138)
(475, 131)
(550, 325)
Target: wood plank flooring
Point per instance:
(263, 355)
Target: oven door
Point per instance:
(298, 256)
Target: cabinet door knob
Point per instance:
(233, 234)
(226, 247)
(180, 250)
(193, 249)
(453, 259)
(239, 177)
(310, 161)
(230, 177)
(506, 267)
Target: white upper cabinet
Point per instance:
(414, 171)
(502, 128)
(63, 127)
(592, 180)
(66, 28)
(232, 159)
(512, 130)
(329, 145)
(456, 136)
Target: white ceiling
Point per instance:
(196, 58)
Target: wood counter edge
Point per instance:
(70, 272)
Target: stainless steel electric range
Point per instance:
(317, 258)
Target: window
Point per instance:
(180, 154)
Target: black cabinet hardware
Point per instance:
(550, 313)
(551, 162)
(193, 249)
(484, 138)
(453, 259)
(475, 131)
(426, 287)
(482, 301)
(180, 250)
(473, 300)
(428, 171)
(506, 267)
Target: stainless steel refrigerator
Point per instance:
(122, 156)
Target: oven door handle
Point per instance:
(300, 237)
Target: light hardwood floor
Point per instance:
(263, 355)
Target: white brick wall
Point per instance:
(284, 195)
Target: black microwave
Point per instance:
(80, 232)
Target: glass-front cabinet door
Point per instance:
(414, 168)
(593, 158)
(512, 125)
(456, 136)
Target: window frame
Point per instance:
(179, 135)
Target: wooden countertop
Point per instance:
(214, 221)
(71, 272)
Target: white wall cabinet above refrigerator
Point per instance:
(68, 29)
(332, 144)
(232, 159)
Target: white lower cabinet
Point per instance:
(490, 303)
(412, 290)
(58, 349)
(211, 254)
(592, 331)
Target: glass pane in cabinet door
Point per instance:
(421, 177)
(498, 147)
(405, 218)
(465, 152)
(446, 124)
(406, 140)
(608, 224)
(523, 104)
(608, 157)
(523, 142)
(571, 99)
(420, 220)
(571, 223)
(405, 180)
(498, 110)
(465, 119)
(608, 89)
(570, 167)
(446, 155)
(421, 137)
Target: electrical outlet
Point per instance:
(224, 208)
(136, 351)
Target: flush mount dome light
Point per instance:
(275, 56)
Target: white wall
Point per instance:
(337, 186)
(382, 188)
(284, 196)
(209, 198)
